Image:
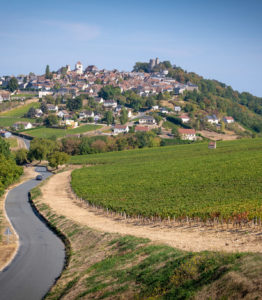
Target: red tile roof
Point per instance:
(186, 131)
(141, 128)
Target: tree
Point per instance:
(141, 67)
(12, 84)
(99, 146)
(41, 148)
(48, 74)
(57, 86)
(31, 113)
(4, 148)
(44, 108)
(51, 120)
(71, 145)
(109, 92)
(109, 117)
(222, 126)
(123, 116)
(57, 159)
(74, 104)
(21, 156)
(37, 152)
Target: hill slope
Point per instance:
(185, 180)
(214, 96)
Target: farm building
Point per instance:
(212, 145)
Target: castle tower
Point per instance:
(152, 63)
(157, 61)
(68, 68)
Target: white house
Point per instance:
(155, 107)
(164, 110)
(147, 120)
(38, 113)
(129, 113)
(71, 123)
(228, 120)
(62, 113)
(212, 119)
(177, 109)
(179, 90)
(90, 114)
(121, 129)
(82, 115)
(97, 118)
(44, 93)
(51, 107)
(185, 118)
(187, 134)
(110, 103)
(22, 125)
(99, 100)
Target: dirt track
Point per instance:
(58, 195)
(218, 136)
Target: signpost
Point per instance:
(7, 233)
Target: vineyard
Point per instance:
(185, 182)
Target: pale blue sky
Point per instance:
(217, 39)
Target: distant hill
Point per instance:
(214, 96)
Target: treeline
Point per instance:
(42, 149)
(100, 144)
(9, 171)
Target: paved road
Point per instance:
(41, 254)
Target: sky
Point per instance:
(217, 39)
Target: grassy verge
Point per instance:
(9, 121)
(12, 142)
(58, 133)
(111, 266)
(20, 111)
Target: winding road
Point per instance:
(41, 254)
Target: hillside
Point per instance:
(214, 97)
(176, 181)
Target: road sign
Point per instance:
(7, 232)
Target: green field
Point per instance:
(184, 180)
(20, 111)
(44, 132)
(9, 121)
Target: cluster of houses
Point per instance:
(90, 80)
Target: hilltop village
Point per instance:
(120, 102)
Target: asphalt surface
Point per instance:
(40, 258)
